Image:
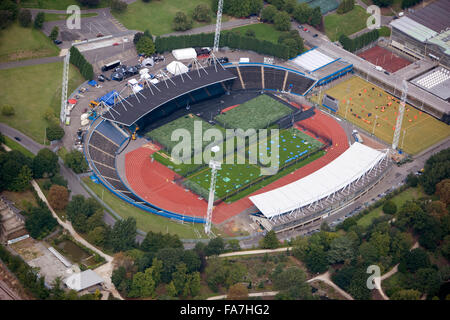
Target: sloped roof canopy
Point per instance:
(354, 163)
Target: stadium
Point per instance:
(129, 146)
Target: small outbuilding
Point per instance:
(83, 280)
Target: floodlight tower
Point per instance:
(401, 112)
(214, 165)
(64, 86)
(218, 26)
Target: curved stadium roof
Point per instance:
(354, 163)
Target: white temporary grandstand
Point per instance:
(312, 60)
(436, 81)
(355, 163)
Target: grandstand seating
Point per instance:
(252, 77)
(435, 78)
(108, 130)
(273, 79)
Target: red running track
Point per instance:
(152, 181)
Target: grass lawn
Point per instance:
(163, 134)
(263, 31)
(347, 23)
(157, 16)
(21, 199)
(31, 91)
(376, 111)
(17, 146)
(146, 221)
(57, 4)
(257, 113)
(58, 16)
(399, 200)
(18, 43)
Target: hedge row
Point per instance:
(79, 61)
(409, 3)
(229, 39)
(359, 42)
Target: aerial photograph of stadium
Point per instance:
(224, 150)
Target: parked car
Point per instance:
(57, 41)
(117, 76)
(99, 35)
(107, 78)
(101, 78)
(115, 44)
(315, 36)
(223, 60)
(17, 138)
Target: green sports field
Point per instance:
(163, 134)
(375, 111)
(256, 113)
(292, 145)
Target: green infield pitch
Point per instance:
(374, 110)
(257, 113)
(293, 146)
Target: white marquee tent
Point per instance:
(353, 164)
(184, 54)
(176, 68)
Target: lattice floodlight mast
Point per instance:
(218, 26)
(214, 165)
(64, 86)
(401, 111)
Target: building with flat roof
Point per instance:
(425, 32)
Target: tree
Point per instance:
(341, 249)
(145, 46)
(8, 110)
(412, 180)
(11, 165)
(381, 242)
(58, 197)
(182, 22)
(156, 241)
(383, 3)
(193, 284)
(25, 18)
(54, 132)
(443, 191)
(302, 12)
(406, 295)
(170, 257)
(215, 246)
(389, 207)
(45, 163)
(270, 241)
(268, 13)
(8, 13)
(179, 278)
(282, 21)
(137, 37)
(89, 3)
(316, 259)
(346, 6)
(123, 235)
(75, 161)
(316, 17)
(289, 5)
(426, 280)
(233, 245)
(54, 33)
(202, 13)
(414, 260)
(97, 236)
(436, 169)
(142, 285)
(250, 33)
(292, 283)
(39, 20)
(237, 291)
(40, 222)
(22, 181)
(118, 6)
